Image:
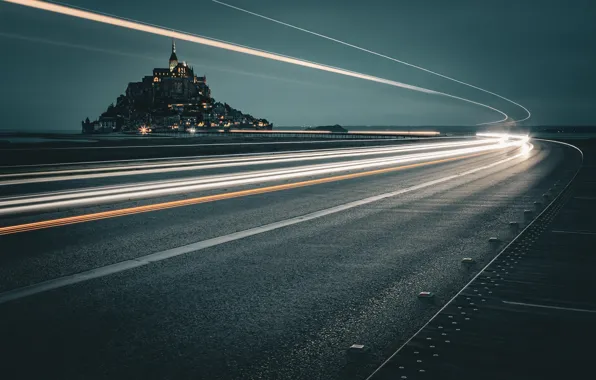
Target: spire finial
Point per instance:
(173, 46)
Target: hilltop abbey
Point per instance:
(173, 98)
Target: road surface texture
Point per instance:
(142, 147)
(275, 282)
(531, 313)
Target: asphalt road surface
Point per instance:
(106, 148)
(269, 267)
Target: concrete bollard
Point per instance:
(528, 215)
(537, 206)
(468, 263)
(514, 227)
(546, 196)
(357, 352)
(426, 295)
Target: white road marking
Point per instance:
(60, 282)
(549, 307)
(573, 232)
(370, 377)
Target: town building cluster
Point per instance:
(172, 99)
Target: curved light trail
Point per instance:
(158, 30)
(35, 203)
(216, 163)
(380, 55)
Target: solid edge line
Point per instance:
(370, 377)
(60, 282)
(573, 232)
(549, 307)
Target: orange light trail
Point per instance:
(65, 199)
(205, 199)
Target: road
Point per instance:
(252, 266)
(15, 151)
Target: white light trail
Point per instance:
(504, 136)
(151, 258)
(380, 55)
(195, 165)
(45, 202)
(202, 164)
(34, 198)
(158, 30)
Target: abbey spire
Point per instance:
(173, 57)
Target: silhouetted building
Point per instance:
(171, 98)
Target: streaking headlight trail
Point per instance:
(202, 164)
(34, 203)
(382, 56)
(180, 35)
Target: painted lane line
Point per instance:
(515, 239)
(60, 282)
(549, 307)
(573, 232)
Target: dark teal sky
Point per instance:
(57, 70)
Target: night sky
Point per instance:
(56, 70)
